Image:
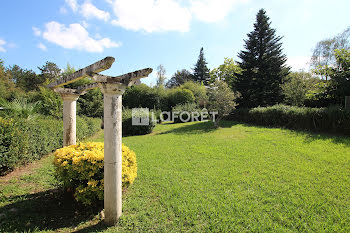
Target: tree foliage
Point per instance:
(263, 65)
(161, 76)
(164, 99)
(25, 79)
(324, 55)
(49, 72)
(221, 99)
(179, 96)
(200, 70)
(179, 78)
(91, 104)
(227, 72)
(50, 102)
(199, 91)
(339, 84)
(7, 86)
(140, 96)
(297, 86)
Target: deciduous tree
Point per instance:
(179, 78)
(7, 86)
(161, 76)
(296, 87)
(50, 72)
(25, 79)
(227, 72)
(221, 100)
(339, 84)
(323, 54)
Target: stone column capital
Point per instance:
(71, 97)
(112, 88)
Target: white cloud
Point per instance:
(72, 4)
(36, 31)
(42, 46)
(168, 15)
(211, 11)
(88, 10)
(151, 15)
(299, 63)
(75, 36)
(85, 24)
(2, 43)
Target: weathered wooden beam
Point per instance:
(101, 78)
(126, 79)
(61, 90)
(80, 90)
(88, 71)
(131, 78)
(86, 87)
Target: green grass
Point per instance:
(194, 178)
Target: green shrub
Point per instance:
(129, 129)
(44, 135)
(189, 108)
(81, 169)
(199, 91)
(156, 115)
(140, 96)
(11, 146)
(180, 96)
(23, 141)
(143, 96)
(19, 108)
(87, 126)
(333, 119)
(50, 102)
(91, 104)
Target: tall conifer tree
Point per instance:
(201, 71)
(263, 65)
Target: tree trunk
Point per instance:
(216, 122)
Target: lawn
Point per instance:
(194, 178)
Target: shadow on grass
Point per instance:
(48, 210)
(335, 138)
(309, 136)
(198, 128)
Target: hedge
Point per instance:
(23, 141)
(128, 129)
(332, 119)
(143, 96)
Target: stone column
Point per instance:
(112, 151)
(69, 118)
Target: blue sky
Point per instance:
(146, 33)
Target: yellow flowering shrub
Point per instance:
(81, 169)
